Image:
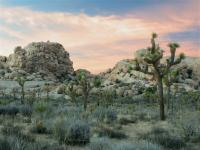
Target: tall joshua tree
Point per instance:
(21, 81)
(171, 75)
(152, 57)
(84, 82)
(71, 91)
(97, 84)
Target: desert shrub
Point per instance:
(61, 89)
(15, 143)
(102, 131)
(125, 120)
(4, 144)
(9, 110)
(16, 131)
(72, 132)
(79, 133)
(105, 114)
(5, 101)
(10, 129)
(189, 125)
(39, 128)
(162, 137)
(125, 146)
(147, 114)
(26, 110)
(100, 144)
(136, 146)
(40, 106)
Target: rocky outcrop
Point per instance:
(39, 60)
(127, 81)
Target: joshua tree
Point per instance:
(47, 89)
(152, 56)
(15, 92)
(38, 92)
(21, 81)
(83, 81)
(70, 90)
(169, 79)
(97, 83)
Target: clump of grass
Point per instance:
(107, 115)
(40, 106)
(189, 125)
(26, 110)
(11, 110)
(105, 131)
(100, 144)
(125, 120)
(72, 132)
(39, 128)
(163, 137)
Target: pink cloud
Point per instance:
(95, 42)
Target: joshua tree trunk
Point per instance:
(23, 95)
(85, 101)
(161, 98)
(168, 96)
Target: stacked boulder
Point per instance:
(38, 61)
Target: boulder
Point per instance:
(48, 59)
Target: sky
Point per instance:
(99, 33)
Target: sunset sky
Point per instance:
(98, 33)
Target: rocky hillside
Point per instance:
(37, 61)
(128, 82)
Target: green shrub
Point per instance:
(102, 131)
(9, 110)
(61, 89)
(26, 110)
(40, 106)
(4, 144)
(100, 144)
(39, 128)
(78, 133)
(105, 115)
(162, 137)
(10, 129)
(15, 143)
(125, 121)
(72, 132)
(144, 145)
(189, 125)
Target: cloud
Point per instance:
(94, 42)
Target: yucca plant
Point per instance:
(152, 57)
(21, 81)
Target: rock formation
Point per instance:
(127, 81)
(39, 60)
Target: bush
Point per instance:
(105, 114)
(61, 89)
(39, 128)
(162, 137)
(9, 110)
(4, 144)
(125, 121)
(40, 106)
(136, 146)
(14, 143)
(10, 129)
(26, 110)
(79, 133)
(189, 125)
(105, 144)
(72, 132)
(109, 132)
(100, 144)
